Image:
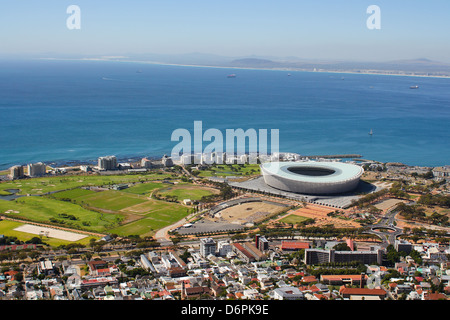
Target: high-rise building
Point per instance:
(107, 163)
(261, 243)
(16, 172)
(207, 247)
(37, 169)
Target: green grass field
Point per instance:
(72, 194)
(294, 219)
(186, 192)
(7, 229)
(221, 170)
(42, 209)
(126, 212)
(60, 183)
(110, 200)
(145, 188)
(155, 215)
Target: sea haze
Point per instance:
(79, 110)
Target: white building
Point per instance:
(224, 247)
(16, 172)
(37, 169)
(107, 163)
(207, 246)
(287, 293)
(146, 163)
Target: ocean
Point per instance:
(60, 110)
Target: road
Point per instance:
(386, 223)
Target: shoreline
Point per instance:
(137, 158)
(362, 72)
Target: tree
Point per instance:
(342, 247)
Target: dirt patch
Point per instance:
(252, 212)
(50, 232)
(319, 213)
(389, 203)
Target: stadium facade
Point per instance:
(312, 177)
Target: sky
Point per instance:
(309, 29)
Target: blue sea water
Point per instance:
(79, 110)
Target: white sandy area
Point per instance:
(52, 233)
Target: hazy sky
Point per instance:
(324, 29)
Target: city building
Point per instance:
(16, 172)
(287, 293)
(402, 245)
(124, 166)
(85, 168)
(261, 243)
(37, 169)
(248, 252)
(167, 161)
(344, 279)
(107, 163)
(293, 245)
(207, 247)
(146, 163)
(223, 248)
(46, 267)
(318, 256)
(442, 172)
(362, 293)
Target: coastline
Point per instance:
(362, 72)
(137, 158)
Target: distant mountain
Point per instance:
(254, 63)
(419, 66)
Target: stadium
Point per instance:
(312, 177)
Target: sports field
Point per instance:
(130, 211)
(184, 191)
(13, 229)
(145, 188)
(58, 183)
(45, 210)
(126, 212)
(153, 215)
(110, 200)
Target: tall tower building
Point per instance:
(107, 163)
(16, 172)
(37, 169)
(207, 247)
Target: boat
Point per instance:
(414, 87)
(371, 132)
(231, 75)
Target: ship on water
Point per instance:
(231, 75)
(414, 87)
